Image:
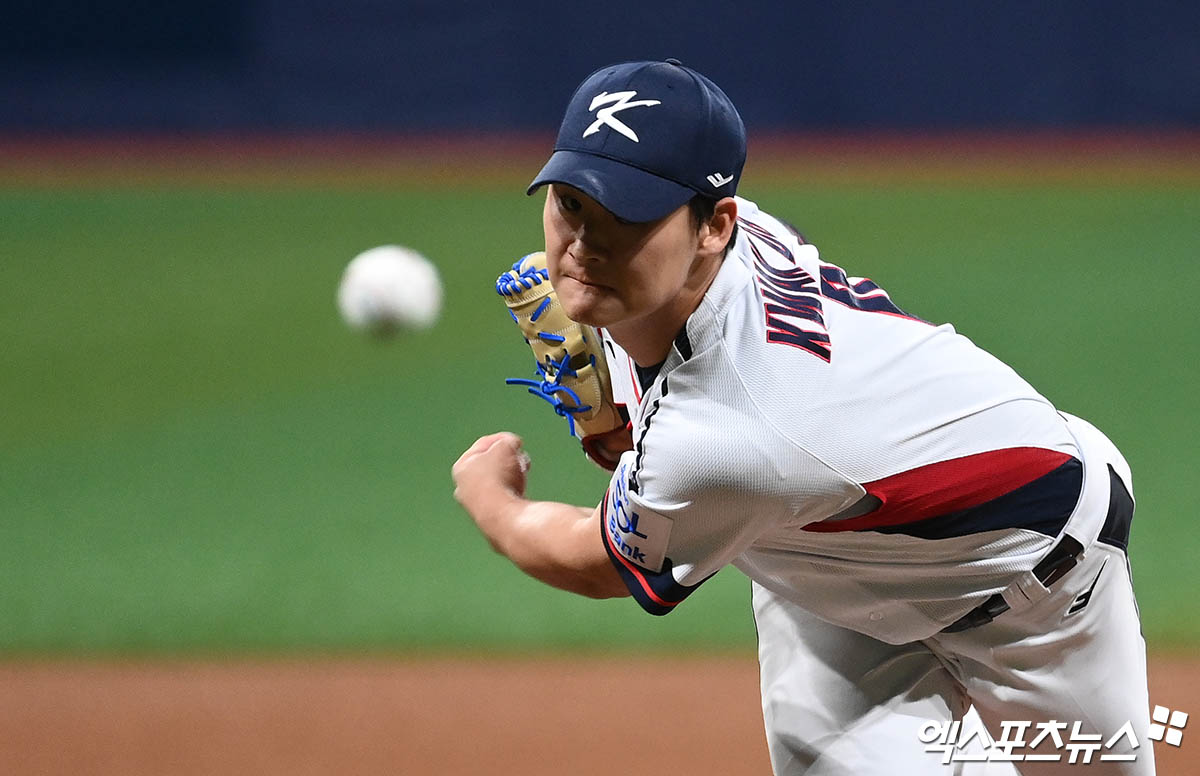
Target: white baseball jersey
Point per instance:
(881, 472)
(878, 477)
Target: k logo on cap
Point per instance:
(607, 116)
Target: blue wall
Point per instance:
(315, 65)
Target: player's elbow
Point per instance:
(598, 582)
(605, 587)
(602, 581)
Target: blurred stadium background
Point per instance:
(197, 460)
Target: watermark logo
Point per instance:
(1065, 739)
(1167, 725)
(1053, 741)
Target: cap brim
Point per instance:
(627, 192)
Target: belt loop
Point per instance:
(1025, 591)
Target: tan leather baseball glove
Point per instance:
(572, 374)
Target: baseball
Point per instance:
(389, 288)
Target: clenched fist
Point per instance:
(491, 469)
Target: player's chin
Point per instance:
(586, 303)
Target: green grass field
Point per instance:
(197, 456)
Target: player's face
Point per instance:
(606, 271)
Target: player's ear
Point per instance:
(719, 230)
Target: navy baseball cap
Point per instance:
(642, 138)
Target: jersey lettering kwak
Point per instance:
(792, 298)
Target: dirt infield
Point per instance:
(550, 716)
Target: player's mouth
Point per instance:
(585, 280)
(590, 283)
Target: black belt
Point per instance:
(1049, 570)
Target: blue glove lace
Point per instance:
(549, 385)
(525, 279)
(551, 388)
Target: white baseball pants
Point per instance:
(839, 703)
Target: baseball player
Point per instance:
(923, 530)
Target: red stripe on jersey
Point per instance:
(948, 486)
(637, 384)
(615, 553)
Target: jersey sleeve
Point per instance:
(672, 521)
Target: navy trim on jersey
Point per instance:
(646, 375)
(683, 344)
(637, 461)
(1115, 532)
(1043, 505)
(657, 593)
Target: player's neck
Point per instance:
(644, 349)
(648, 339)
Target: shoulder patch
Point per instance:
(639, 535)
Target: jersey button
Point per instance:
(876, 616)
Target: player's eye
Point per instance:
(569, 203)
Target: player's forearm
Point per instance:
(558, 544)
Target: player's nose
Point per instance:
(588, 246)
